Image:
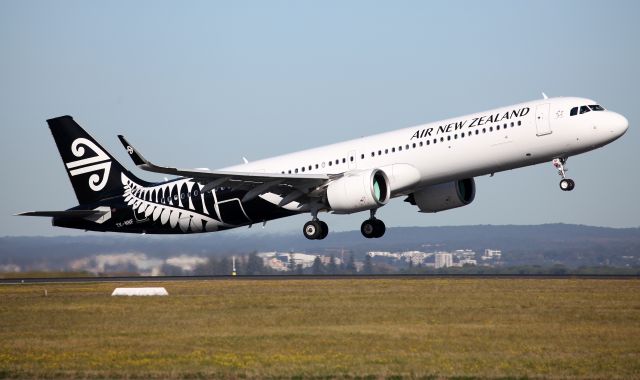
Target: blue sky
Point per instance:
(202, 84)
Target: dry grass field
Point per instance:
(438, 328)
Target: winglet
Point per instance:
(137, 158)
(545, 96)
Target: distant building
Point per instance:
(464, 262)
(464, 254)
(415, 257)
(280, 261)
(443, 260)
(492, 254)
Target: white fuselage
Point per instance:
(462, 147)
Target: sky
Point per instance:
(202, 84)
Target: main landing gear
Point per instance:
(316, 229)
(372, 227)
(566, 184)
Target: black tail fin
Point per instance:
(93, 172)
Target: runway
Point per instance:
(45, 280)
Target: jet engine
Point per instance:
(359, 191)
(444, 196)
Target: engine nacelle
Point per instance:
(361, 191)
(444, 196)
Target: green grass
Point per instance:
(238, 328)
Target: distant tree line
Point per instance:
(252, 264)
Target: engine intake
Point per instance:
(444, 196)
(359, 192)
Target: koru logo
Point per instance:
(129, 149)
(91, 164)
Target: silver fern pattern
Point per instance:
(170, 206)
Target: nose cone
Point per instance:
(618, 124)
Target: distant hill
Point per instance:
(570, 245)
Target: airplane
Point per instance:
(432, 165)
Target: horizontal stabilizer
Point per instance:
(63, 214)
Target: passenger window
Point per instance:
(584, 109)
(574, 111)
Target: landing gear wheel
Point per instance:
(325, 230)
(380, 228)
(372, 228)
(312, 230)
(315, 230)
(567, 184)
(368, 228)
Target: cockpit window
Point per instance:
(585, 109)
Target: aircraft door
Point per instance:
(543, 124)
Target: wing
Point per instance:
(290, 187)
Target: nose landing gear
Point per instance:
(566, 184)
